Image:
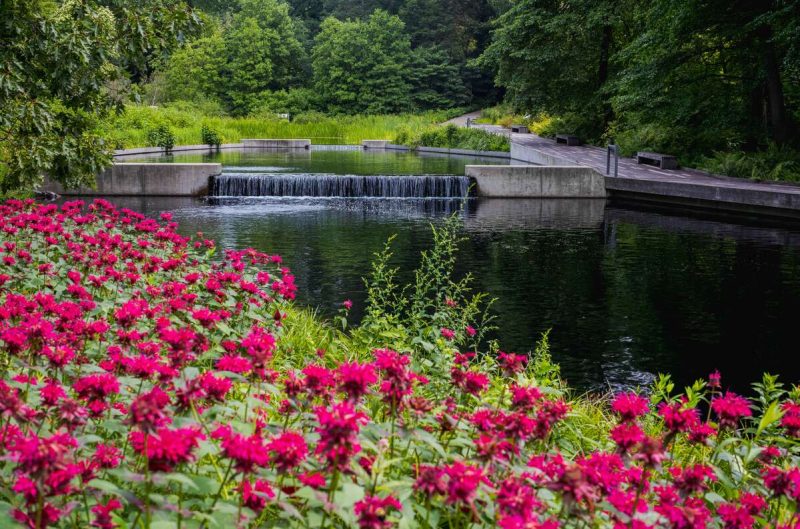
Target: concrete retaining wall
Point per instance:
(271, 143)
(148, 179)
(179, 148)
(772, 202)
(523, 153)
(374, 144)
(463, 152)
(529, 181)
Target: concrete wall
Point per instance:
(148, 179)
(374, 144)
(263, 143)
(439, 150)
(524, 153)
(733, 198)
(529, 181)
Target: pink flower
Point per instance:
(678, 418)
(791, 418)
(470, 330)
(463, 482)
(247, 452)
(730, 408)
(165, 449)
(288, 450)
(715, 380)
(347, 304)
(630, 406)
(354, 379)
(102, 514)
(338, 429)
(511, 363)
(627, 435)
(447, 334)
(255, 495)
(373, 511)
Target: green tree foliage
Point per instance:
(362, 65)
(436, 79)
(61, 65)
(54, 64)
(683, 76)
(195, 72)
(256, 53)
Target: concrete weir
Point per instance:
(374, 144)
(531, 181)
(273, 143)
(148, 179)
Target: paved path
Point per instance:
(595, 157)
(648, 180)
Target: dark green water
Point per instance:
(627, 292)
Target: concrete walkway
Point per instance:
(685, 186)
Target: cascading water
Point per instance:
(328, 185)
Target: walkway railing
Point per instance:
(612, 150)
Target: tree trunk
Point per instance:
(602, 73)
(779, 118)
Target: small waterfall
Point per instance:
(327, 185)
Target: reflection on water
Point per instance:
(317, 160)
(626, 293)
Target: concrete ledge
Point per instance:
(271, 143)
(527, 181)
(773, 202)
(374, 144)
(524, 153)
(440, 150)
(148, 179)
(180, 148)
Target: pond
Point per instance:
(627, 291)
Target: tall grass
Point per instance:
(131, 128)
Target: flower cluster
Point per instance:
(148, 381)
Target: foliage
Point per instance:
(150, 382)
(161, 136)
(210, 136)
(130, 128)
(361, 65)
(61, 66)
(258, 52)
(773, 164)
(683, 77)
(54, 62)
(453, 137)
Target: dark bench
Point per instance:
(520, 129)
(569, 139)
(662, 161)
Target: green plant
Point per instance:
(210, 136)
(161, 136)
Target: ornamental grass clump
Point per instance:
(150, 381)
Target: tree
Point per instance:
(362, 65)
(713, 70)
(552, 56)
(436, 79)
(58, 65)
(55, 62)
(195, 71)
(257, 53)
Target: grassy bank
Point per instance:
(132, 128)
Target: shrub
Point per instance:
(210, 136)
(453, 137)
(161, 136)
(775, 163)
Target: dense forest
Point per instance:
(690, 77)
